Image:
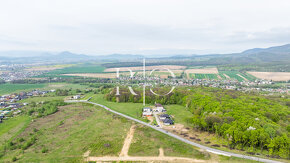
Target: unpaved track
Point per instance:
(161, 152)
(127, 142)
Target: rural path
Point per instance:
(127, 142)
(161, 152)
(208, 149)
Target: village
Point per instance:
(9, 105)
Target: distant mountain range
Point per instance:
(272, 54)
(276, 49)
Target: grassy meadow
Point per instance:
(65, 135)
(11, 88)
(142, 145)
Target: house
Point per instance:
(76, 97)
(164, 116)
(159, 108)
(146, 111)
(168, 121)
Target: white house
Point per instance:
(76, 97)
(147, 111)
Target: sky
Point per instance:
(98, 27)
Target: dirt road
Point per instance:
(127, 142)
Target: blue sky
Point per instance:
(143, 26)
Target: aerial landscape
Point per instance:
(148, 81)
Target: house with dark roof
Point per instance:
(168, 121)
(164, 116)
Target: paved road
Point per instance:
(212, 150)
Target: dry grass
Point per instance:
(275, 76)
(162, 73)
(202, 71)
(48, 68)
(171, 67)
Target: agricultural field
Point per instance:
(13, 88)
(202, 71)
(204, 76)
(275, 76)
(81, 68)
(235, 75)
(98, 75)
(140, 68)
(48, 67)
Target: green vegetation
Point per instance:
(11, 88)
(83, 128)
(44, 109)
(203, 76)
(142, 145)
(131, 109)
(41, 99)
(246, 121)
(225, 159)
(180, 114)
(11, 127)
(233, 75)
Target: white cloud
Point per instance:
(126, 26)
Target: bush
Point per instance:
(14, 159)
(29, 143)
(44, 150)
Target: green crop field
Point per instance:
(11, 88)
(249, 76)
(232, 74)
(203, 76)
